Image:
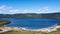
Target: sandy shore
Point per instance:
(49, 29)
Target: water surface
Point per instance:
(32, 23)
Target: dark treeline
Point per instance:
(31, 15)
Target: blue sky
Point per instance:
(29, 6)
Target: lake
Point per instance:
(32, 23)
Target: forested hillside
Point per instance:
(31, 15)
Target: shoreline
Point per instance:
(49, 29)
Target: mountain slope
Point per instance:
(31, 15)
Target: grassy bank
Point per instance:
(30, 32)
(22, 32)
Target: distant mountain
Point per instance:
(31, 15)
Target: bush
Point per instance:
(1, 30)
(58, 29)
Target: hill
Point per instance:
(31, 15)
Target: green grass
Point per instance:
(22, 32)
(29, 32)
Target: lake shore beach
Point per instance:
(49, 29)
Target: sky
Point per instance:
(29, 6)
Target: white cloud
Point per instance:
(27, 11)
(20, 11)
(3, 7)
(43, 9)
(46, 9)
(15, 11)
(9, 9)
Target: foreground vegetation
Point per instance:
(4, 22)
(30, 32)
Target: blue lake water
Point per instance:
(32, 23)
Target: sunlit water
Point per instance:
(32, 23)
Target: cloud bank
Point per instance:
(10, 10)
